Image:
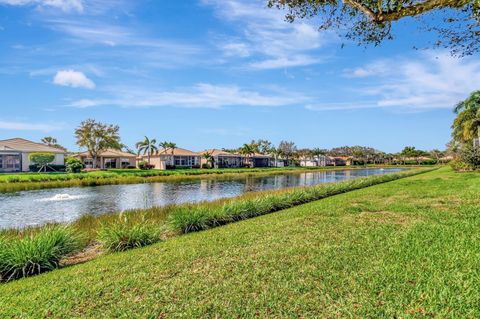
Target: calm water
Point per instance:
(38, 207)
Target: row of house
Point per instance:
(14, 157)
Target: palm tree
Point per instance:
(247, 150)
(147, 146)
(50, 141)
(466, 127)
(208, 156)
(317, 152)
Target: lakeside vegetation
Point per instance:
(142, 227)
(401, 249)
(31, 181)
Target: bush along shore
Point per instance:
(31, 181)
(33, 251)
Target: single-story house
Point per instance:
(110, 158)
(14, 154)
(260, 160)
(222, 159)
(341, 161)
(181, 158)
(314, 161)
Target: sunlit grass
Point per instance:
(403, 249)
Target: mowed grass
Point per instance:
(405, 249)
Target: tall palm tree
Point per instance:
(50, 141)
(147, 146)
(466, 127)
(209, 158)
(247, 150)
(165, 146)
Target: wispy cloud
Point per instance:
(429, 81)
(265, 37)
(64, 5)
(73, 79)
(27, 126)
(199, 96)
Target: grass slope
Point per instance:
(406, 249)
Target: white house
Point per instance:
(14, 154)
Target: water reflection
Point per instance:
(65, 205)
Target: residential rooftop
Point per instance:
(23, 145)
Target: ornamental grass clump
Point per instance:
(124, 234)
(37, 253)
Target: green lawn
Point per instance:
(404, 249)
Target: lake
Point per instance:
(37, 207)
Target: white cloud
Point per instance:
(64, 5)
(433, 82)
(266, 37)
(24, 126)
(200, 96)
(73, 79)
(430, 81)
(284, 62)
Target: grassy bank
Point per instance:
(31, 181)
(182, 218)
(406, 249)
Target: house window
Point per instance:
(125, 162)
(10, 163)
(88, 163)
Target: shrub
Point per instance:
(74, 165)
(49, 168)
(206, 166)
(461, 166)
(144, 165)
(36, 253)
(123, 235)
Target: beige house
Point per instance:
(14, 154)
(222, 159)
(181, 158)
(109, 159)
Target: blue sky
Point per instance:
(218, 73)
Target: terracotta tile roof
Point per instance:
(23, 145)
(110, 153)
(176, 151)
(216, 152)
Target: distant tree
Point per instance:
(147, 147)
(262, 146)
(169, 146)
(52, 141)
(247, 150)
(287, 149)
(209, 158)
(318, 152)
(305, 154)
(370, 22)
(436, 154)
(97, 137)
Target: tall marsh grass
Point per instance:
(123, 234)
(36, 253)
